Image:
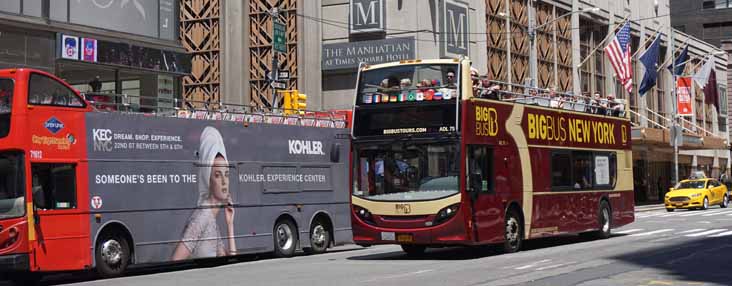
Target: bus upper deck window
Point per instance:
(6, 105)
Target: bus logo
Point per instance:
(96, 202)
(102, 140)
(53, 125)
(305, 147)
(403, 208)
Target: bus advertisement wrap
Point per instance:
(213, 182)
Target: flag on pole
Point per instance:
(702, 76)
(649, 59)
(680, 62)
(618, 52)
(710, 90)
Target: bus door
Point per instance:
(481, 185)
(55, 121)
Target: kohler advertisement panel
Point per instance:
(197, 188)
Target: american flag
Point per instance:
(618, 51)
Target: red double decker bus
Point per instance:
(434, 165)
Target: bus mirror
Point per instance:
(335, 152)
(39, 200)
(476, 182)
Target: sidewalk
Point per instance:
(653, 207)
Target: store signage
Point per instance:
(69, 47)
(349, 55)
(454, 32)
(683, 96)
(367, 16)
(89, 50)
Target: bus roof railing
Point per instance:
(203, 110)
(561, 100)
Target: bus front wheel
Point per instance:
(514, 232)
(112, 254)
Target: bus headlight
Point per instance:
(364, 214)
(446, 213)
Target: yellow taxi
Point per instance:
(696, 194)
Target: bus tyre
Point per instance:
(319, 237)
(725, 202)
(604, 219)
(112, 254)
(413, 250)
(285, 238)
(514, 232)
(705, 204)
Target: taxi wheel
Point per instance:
(669, 210)
(725, 202)
(705, 204)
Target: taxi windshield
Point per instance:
(691, 185)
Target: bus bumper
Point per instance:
(14, 262)
(450, 233)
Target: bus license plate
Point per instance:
(405, 238)
(387, 236)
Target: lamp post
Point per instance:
(533, 61)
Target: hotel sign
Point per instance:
(349, 55)
(454, 32)
(367, 16)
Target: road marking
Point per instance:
(722, 234)
(692, 213)
(692, 230)
(715, 213)
(400, 275)
(532, 264)
(653, 232)
(552, 266)
(706, 232)
(629, 231)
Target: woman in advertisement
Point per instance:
(201, 236)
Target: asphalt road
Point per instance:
(660, 248)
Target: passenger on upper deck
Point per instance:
(450, 82)
(475, 78)
(488, 91)
(6, 96)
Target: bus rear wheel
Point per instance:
(514, 232)
(413, 250)
(285, 238)
(319, 237)
(604, 220)
(112, 254)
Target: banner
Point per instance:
(683, 96)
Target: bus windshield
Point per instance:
(420, 82)
(406, 171)
(12, 195)
(6, 101)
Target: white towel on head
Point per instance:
(212, 145)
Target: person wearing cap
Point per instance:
(613, 105)
(488, 91)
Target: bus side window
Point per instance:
(43, 90)
(481, 165)
(54, 186)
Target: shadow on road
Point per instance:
(476, 252)
(702, 260)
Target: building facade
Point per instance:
(327, 39)
(118, 47)
(708, 20)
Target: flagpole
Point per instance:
(660, 67)
(675, 114)
(647, 40)
(625, 20)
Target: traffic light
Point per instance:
(286, 101)
(299, 102)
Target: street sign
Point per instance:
(283, 75)
(278, 85)
(676, 136)
(278, 42)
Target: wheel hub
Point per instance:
(284, 236)
(512, 230)
(318, 235)
(111, 252)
